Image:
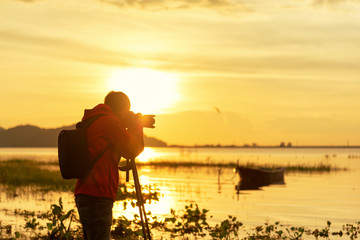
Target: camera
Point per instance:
(147, 121)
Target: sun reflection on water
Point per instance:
(159, 208)
(147, 155)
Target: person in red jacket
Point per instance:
(111, 137)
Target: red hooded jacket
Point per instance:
(107, 132)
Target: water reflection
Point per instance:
(147, 155)
(307, 200)
(159, 208)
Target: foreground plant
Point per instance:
(228, 229)
(189, 223)
(182, 224)
(278, 231)
(58, 226)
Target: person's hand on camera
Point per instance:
(133, 120)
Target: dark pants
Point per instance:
(95, 216)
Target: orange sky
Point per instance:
(228, 72)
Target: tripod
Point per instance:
(130, 165)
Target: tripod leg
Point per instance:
(127, 171)
(146, 232)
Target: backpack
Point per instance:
(73, 153)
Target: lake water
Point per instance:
(304, 200)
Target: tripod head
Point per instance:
(130, 165)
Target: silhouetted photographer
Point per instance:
(115, 132)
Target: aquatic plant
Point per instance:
(227, 229)
(189, 223)
(320, 167)
(7, 231)
(46, 175)
(150, 193)
(58, 224)
(20, 173)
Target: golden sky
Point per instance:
(213, 71)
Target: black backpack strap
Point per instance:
(86, 124)
(94, 161)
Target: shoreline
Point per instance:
(219, 146)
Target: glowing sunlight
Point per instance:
(146, 155)
(150, 91)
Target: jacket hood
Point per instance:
(102, 109)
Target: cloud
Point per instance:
(29, 1)
(160, 5)
(57, 47)
(331, 2)
(156, 5)
(63, 48)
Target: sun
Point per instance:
(150, 91)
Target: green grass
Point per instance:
(21, 173)
(171, 164)
(322, 167)
(46, 175)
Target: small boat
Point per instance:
(254, 178)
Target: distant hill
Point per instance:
(33, 136)
(154, 142)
